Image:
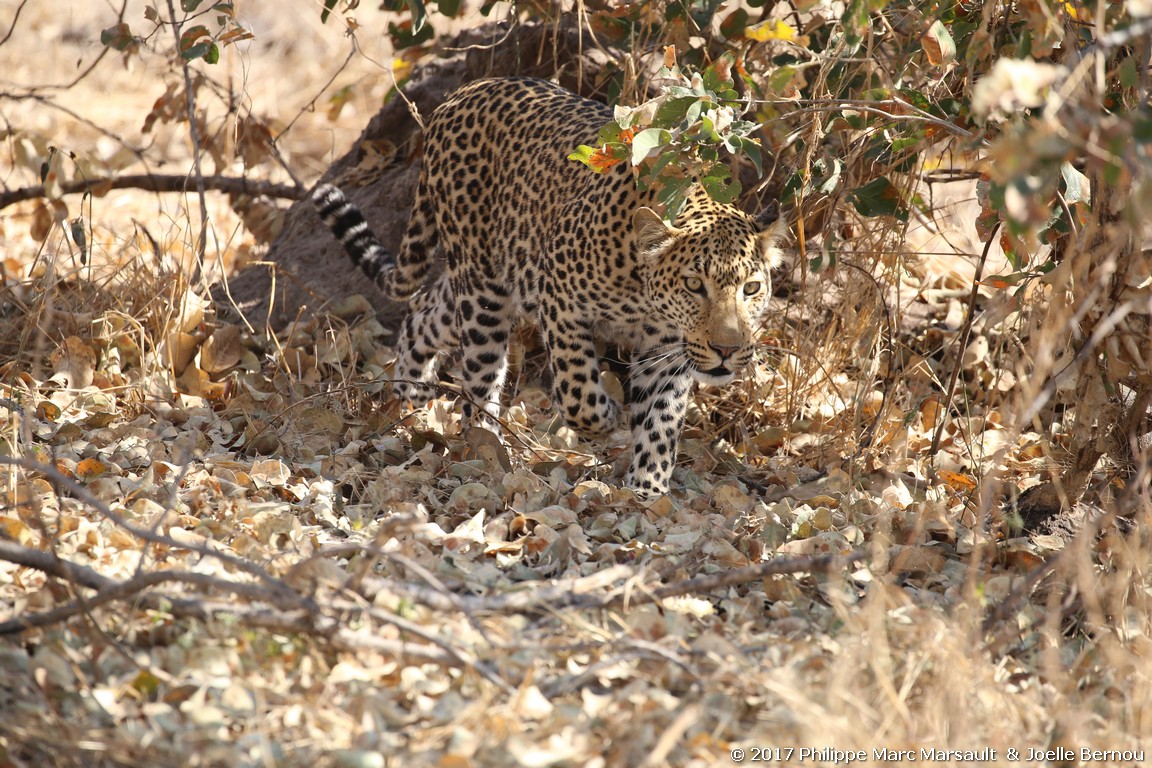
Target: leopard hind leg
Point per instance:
(485, 315)
(427, 334)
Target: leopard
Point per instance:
(520, 231)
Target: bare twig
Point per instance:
(898, 110)
(568, 592)
(195, 139)
(15, 19)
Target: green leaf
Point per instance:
(583, 154)
(190, 5)
(190, 45)
(781, 79)
(647, 141)
(879, 197)
(793, 185)
(673, 112)
(200, 50)
(938, 45)
(1142, 126)
(831, 180)
(751, 150)
(1128, 74)
(324, 14)
(213, 54)
(407, 38)
(662, 162)
(673, 195)
(419, 15)
(857, 19)
(449, 8)
(609, 134)
(1077, 188)
(719, 187)
(917, 99)
(118, 37)
(732, 27)
(718, 77)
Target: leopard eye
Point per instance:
(752, 287)
(694, 284)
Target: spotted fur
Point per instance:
(526, 232)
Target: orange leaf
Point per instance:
(90, 469)
(601, 162)
(957, 481)
(48, 411)
(938, 44)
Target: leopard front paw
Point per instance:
(645, 492)
(600, 420)
(415, 393)
(645, 484)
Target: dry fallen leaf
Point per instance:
(90, 469)
(222, 350)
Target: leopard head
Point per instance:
(709, 275)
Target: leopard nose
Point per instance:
(723, 350)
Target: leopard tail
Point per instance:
(360, 242)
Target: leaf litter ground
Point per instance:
(279, 563)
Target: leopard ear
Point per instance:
(772, 238)
(769, 216)
(653, 235)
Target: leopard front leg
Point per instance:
(660, 386)
(576, 383)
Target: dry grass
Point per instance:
(334, 589)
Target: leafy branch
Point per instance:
(681, 136)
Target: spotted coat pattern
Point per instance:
(526, 232)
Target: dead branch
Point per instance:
(737, 576)
(152, 182)
(311, 621)
(460, 657)
(109, 590)
(65, 483)
(578, 593)
(531, 600)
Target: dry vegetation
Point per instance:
(222, 544)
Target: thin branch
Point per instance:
(911, 112)
(961, 345)
(108, 589)
(458, 655)
(543, 597)
(51, 104)
(15, 19)
(197, 147)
